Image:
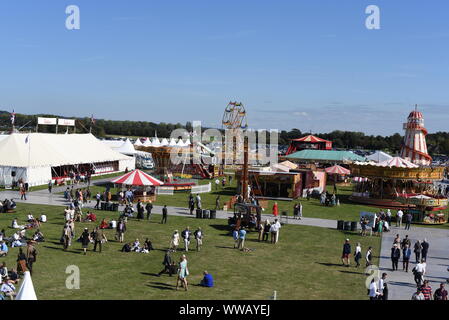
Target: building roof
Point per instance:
(324, 155)
(49, 149)
(379, 156)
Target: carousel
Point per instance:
(142, 184)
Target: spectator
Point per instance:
(440, 293)
(164, 214)
(168, 263)
(8, 289)
(174, 241)
(345, 258)
(408, 220)
(426, 290)
(418, 294)
(149, 207)
(373, 290)
(406, 253)
(199, 235)
(208, 280)
(417, 250)
(395, 255)
(186, 234)
(358, 254)
(242, 236)
(399, 218)
(3, 249)
(419, 270)
(425, 249)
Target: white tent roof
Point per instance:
(126, 148)
(172, 142)
(180, 143)
(164, 142)
(26, 291)
(48, 149)
(379, 156)
(138, 142)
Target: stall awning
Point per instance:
(137, 178)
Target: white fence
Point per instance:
(202, 188)
(168, 191)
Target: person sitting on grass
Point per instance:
(38, 236)
(8, 289)
(136, 246)
(90, 217)
(15, 224)
(148, 245)
(208, 280)
(3, 249)
(17, 240)
(3, 272)
(43, 218)
(104, 224)
(126, 247)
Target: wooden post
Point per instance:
(244, 191)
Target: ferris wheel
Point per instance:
(234, 116)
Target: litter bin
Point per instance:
(347, 226)
(354, 226)
(213, 214)
(206, 214)
(199, 213)
(340, 224)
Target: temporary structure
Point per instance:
(137, 178)
(379, 156)
(164, 142)
(398, 162)
(26, 291)
(126, 148)
(38, 157)
(172, 142)
(138, 142)
(337, 170)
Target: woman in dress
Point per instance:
(175, 241)
(358, 254)
(85, 239)
(182, 273)
(275, 209)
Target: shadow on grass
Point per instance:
(62, 249)
(221, 247)
(150, 274)
(330, 264)
(351, 272)
(161, 286)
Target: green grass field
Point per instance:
(305, 264)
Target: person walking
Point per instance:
(417, 250)
(425, 249)
(406, 242)
(242, 236)
(85, 240)
(121, 229)
(31, 254)
(217, 203)
(408, 220)
(98, 239)
(395, 255)
(98, 198)
(149, 207)
(191, 204)
(295, 211)
(174, 241)
(199, 235)
(235, 236)
(369, 256)
(358, 254)
(406, 253)
(345, 258)
(167, 263)
(373, 290)
(440, 293)
(399, 218)
(275, 209)
(383, 287)
(164, 214)
(140, 210)
(418, 294)
(426, 290)
(419, 270)
(186, 236)
(182, 273)
(66, 236)
(50, 186)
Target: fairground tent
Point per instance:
(26, 291)
(379, 156)
(39, 157)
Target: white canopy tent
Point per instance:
(33, 156)
(379, 156)
(26, 291)
(138, 142)
(126, 148)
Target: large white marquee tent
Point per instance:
(34, 156)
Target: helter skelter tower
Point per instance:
(414, 147)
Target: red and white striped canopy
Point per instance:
(137, 178)
(337, 170)
(310, 138)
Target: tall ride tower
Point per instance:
(414, 147)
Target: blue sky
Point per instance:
(310, 65)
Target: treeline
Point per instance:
(437, 143)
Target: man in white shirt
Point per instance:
(113, 224)
(399, 218)
(420, 270)
(373, 292)
(43, 218)
(278, 227)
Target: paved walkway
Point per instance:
(401, 284)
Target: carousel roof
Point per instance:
(310, 138)
(137, 178)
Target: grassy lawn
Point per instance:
(305, 264)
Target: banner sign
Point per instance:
(49, 121)
(66, 122)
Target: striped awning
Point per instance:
(337, 170)
(137, 178)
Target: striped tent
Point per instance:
(137, 178)
(398, 162)
(337, 170)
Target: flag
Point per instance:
(13, 117)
